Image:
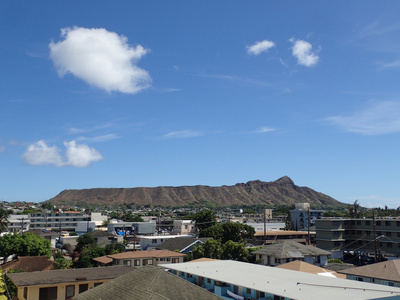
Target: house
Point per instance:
(239, 280)
(183, 244)
(298, 265)
(29, 264)
(140, 258)
(184, 227)
(149, 282)
(287, 251)
(62, 284)
(386, 273)
(153, 241)
(103, 238)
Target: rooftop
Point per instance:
(386, 270)
(144, 283)
(288, 248)
(67, 276)
(285, 283)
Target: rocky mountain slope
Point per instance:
(280, 192)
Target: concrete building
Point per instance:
(18, 223)
(58, 221)
(301, 213)
(131, 228)
(337, 235)
(232, 279)
(184, 227)
(151, 242)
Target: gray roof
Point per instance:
(67, 276)
(285, 283)
(179, 243)
(100, 233)
(287, 249)
(147, 283)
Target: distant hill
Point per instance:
(280, 192)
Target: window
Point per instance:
(388, 233)
(25, 292)
(49, 293)
(149, 261)
(83, 287)
(387, 223)
(358, 222)
(175, 260)
(69, 292)
(137, 262)
(378, 223)
(127, 263)
(367, 223)
(389, 245)
(153, 241)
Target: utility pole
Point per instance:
(308, 227)
(375, 239)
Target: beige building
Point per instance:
(62, 284)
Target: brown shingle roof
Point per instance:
(386, 270)
(30, 263)
(147, 283)
(144, 254)
(67, 276)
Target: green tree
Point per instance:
(89, 252)
(4, 215)
(3, 287)
(62, 263)
(26, 244)
(204, 218)
(114, 248)
(229, 231)
(288, 222)
(235, 251)
(211, 249)
(84, 240)
(129, 217)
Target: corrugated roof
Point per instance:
(150, 283)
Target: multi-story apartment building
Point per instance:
(335, 234)
(59, 221)
(302, 215)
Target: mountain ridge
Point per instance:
(279, 192)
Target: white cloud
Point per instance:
(259, 47)
(391, 65)
(77, 155)
(101, 58)
(302, 50)
(2, 148)
(80, 156)
(182, 134)
(99, 138)
(41, 154)
(379, 118)
(264, 130)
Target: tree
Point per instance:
(114, 248)
(211, 249)
(204, 218)
(289, 223)
(4, 215)
(129, 217)
(88, 252)
(26, 244)
(354, 209)
(84, 240)
(236, 232)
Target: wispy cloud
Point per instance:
(99, 138)
(101, 58)
(76, 155)
(380, 117)
(260, 47)
(390, 65)
(2, 148)
(376, 28)
(302, 50)
(170, 90)
(182, 134)
(264, 130)
(236, 79)
(372, 201)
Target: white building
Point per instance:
(150, 242)
(239, 280)
(16, 223)
(184, 227)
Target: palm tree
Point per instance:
(4, 214)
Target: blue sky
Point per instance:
(151, 93)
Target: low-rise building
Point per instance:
(140, 258)
(386, 273)
(184, 227)
(182, 244)
(152, 241)
(62, 284)
(302, 216)
(238, 280)
(287, 251)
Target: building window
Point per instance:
(367, 223)
(387, 223)
(49, 293)
(83, 287)
(26, 292)
(378, 223)
(175, 260)
(153, 241)
(149, 261)
(358, 222)
(388, 233)
(127, 263)
(389, 245)
(69, 292)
